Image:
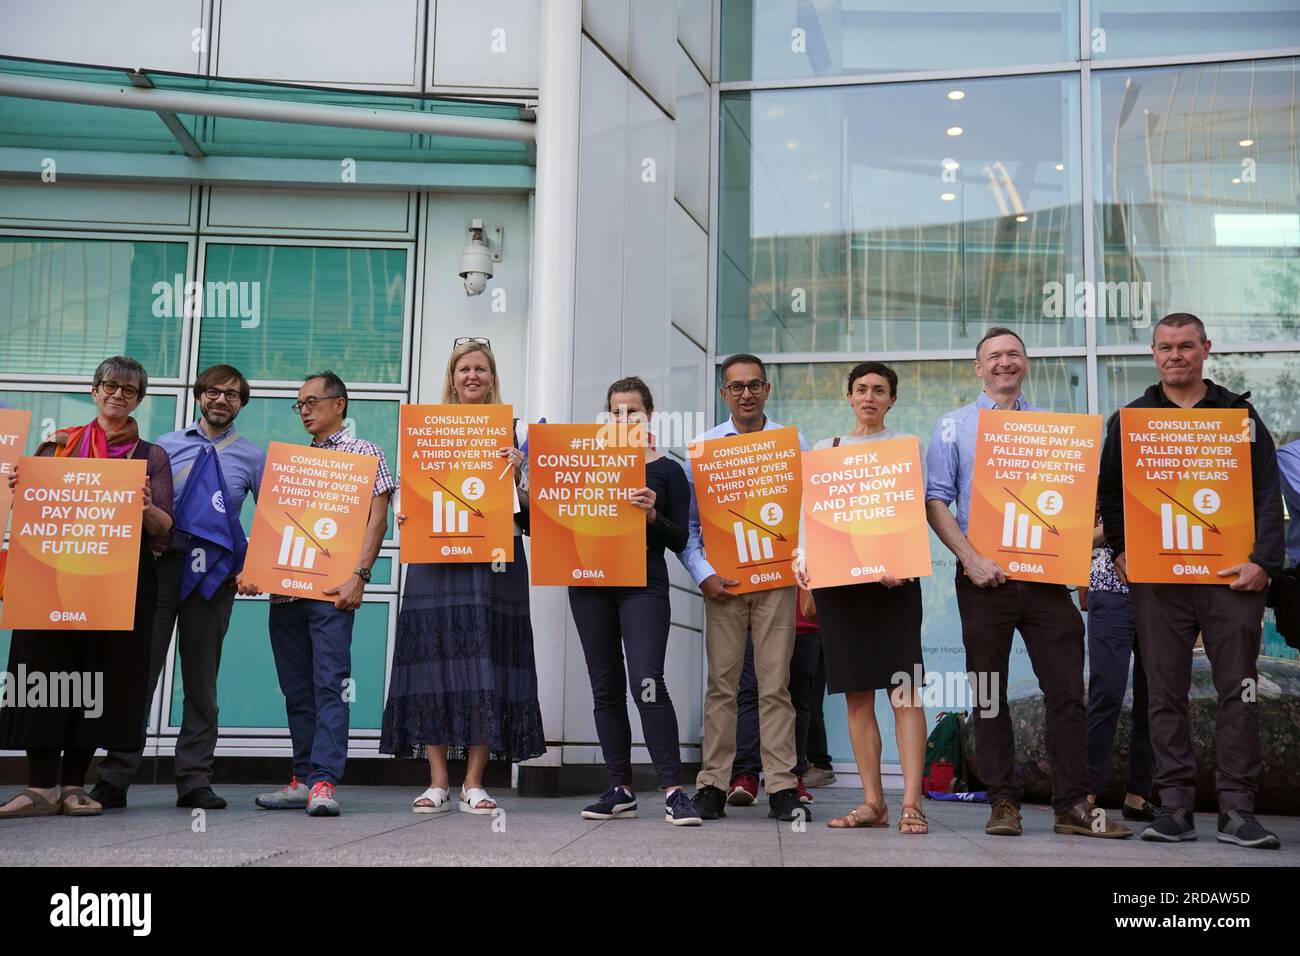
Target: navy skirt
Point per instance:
(463, 671)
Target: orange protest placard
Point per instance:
(310, 520)
(864, 512)
(75, 546)
(457, 493)
(584, 530)
(14, 423)
(1189, 505)
(1033, 501)
(748, 488)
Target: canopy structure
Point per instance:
(118, 124)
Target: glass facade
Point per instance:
(276, 309)
(896, 178)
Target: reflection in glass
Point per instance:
(796, 39)
(1134, 28)
(68, 304)
(1198, 200)
(291, 310)
(1271, 378)
(894, 217)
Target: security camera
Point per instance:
(476, 260)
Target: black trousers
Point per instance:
(613, 622)
(1052, 631)
(203, 626)
(805, 693)
(1169, 618)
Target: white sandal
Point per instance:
(470, 800)
(439, 797)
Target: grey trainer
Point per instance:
(1241, 827)
(292, 797)
(321, 803)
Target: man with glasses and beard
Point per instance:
(221, 393)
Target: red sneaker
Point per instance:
(802, 791)
(743, 791)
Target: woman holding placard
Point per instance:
(60, 741)
(871, 636)
(463, 681)
(632, 623)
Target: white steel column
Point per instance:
(551, 319)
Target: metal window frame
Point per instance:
(1092, 351)
(403, 385)
(176, 238)
(259, 737)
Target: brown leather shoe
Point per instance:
(1087, 820)
(1004, 820)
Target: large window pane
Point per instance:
(898, 217)
(1133, 28)
(316, 307)
(1198, 201)
(67, 304)
(248, 690)
(811, 396)
(795, 39)
(54, 410)
(1272, 378)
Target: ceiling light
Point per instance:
(1246, 142)
(956, 95)
(955, 131)
(947, 197)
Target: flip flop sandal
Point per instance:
(439, 801)
(470, 800)
(880, 819)
(75, 802)
(40, 806)
(913, 816)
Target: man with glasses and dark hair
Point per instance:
(1228, 619)
(312, 639)
(221, 393)
(993, 608)
(767, 616)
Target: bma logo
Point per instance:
(57, 617)
(581, 573)
(1181, 569)
(870, 569)
(1026, 567)
(218, 502)
(764, 576)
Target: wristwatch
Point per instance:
(363, 574)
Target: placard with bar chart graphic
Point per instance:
(1033, 500)
(310, 520)
(864, 512)
(1189, 506)
(457, 492)
(748, 488)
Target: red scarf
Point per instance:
(91, 441)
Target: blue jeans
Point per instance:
(803, 686)
(312, 643)
(1112, 640)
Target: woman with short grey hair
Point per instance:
(60, 741)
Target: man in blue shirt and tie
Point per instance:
(221, 393)
(993, 608)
